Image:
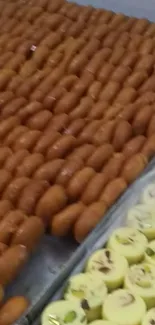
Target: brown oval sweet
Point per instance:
(145, 63)
(5, 152)
(5, 76)
(134, 42)
(13, 107)
(31, 194)
(147, 98)
(83, 152)
(78, 63)
(5, 178)
(28, 110)
(133, 146)
(61, 147)
(88, 220)
(129, 112)
(5, 97)
(58, 123)
(49, 170)
(105, 72)
(148, 149)
(75, 127)
(29, 165)
(140, 26)
(13, 309)
(9, 224)
(15, 160)
(126, 96)
(105, 133)
(39, 120)
(146, 47)
(81, 110)
(63, 221)
(14, 84)
(28, 69)
(122, 134)
(100, 156)
(129, 59)
(117, 55)
(14, 134)
(51, 203)
(46, 141)
(142, 119)
(68, 82)
(28, 140)
(69, 168)
(83, 83)
(88, 132)
(98, 110)
(113, 190)
(5, 207)
(11, 263)
(29, 233)
(7, 125)
(94, 90)
(94, 188)
(120, 74)
(16, 62)
(67, 103)
(3, 248)
(53, 97)
(79, 181)
(151, 127)
(15, 188)
(110, 91)
(112, 112)
(95, 63)
(136, 79)
(134, 167)
(114, 165)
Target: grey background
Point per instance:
(137, 8)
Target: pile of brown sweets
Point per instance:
(77, 118)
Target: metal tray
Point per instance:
(42, 270)
(116, 218)
(55, 258)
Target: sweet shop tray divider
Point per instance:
(113, 219)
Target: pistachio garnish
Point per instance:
(84, 304)
(78, 293)
(124, 240)
(70, 317)
(127, 300)
(104, 269)
(150, 252)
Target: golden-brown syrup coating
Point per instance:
(77, 114)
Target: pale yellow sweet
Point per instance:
(149, 318)
(123, 307)
(90, 290)
(128, 242)
(140, 279)
(63, 312)
(142, 217)
(112, 265)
